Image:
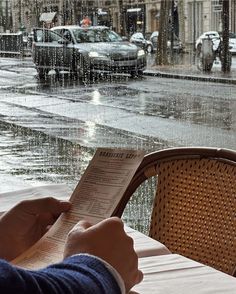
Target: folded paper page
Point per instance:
(95, 198)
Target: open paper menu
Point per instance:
(95, 198)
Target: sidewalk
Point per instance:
(191, 72)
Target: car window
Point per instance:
(211, 35)
(58, 31)
(81, 36)
(232, 35)
(113, 37)
(138, 36)
(154, 39)
(67, 35)
(94, 36)
(53, 37)
(154, 34)
(47, 36)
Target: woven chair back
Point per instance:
(195, 209)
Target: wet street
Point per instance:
(50, 129)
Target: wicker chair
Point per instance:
(194, 210)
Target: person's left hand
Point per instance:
(26, 223)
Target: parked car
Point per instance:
(213, 35)
(139, 40)
(85, 51)
(216, 37)
(232, 42)
(177, 44)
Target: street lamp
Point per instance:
(7, 16)
(19, 17)
(172, 31)
(226, 57)
(37, 12)
(194, 25)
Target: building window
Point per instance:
(216, 11)
(195, 19)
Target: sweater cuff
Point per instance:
(110, 268)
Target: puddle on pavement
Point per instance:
(34, 158)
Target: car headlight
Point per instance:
(94, 54)
(141, 53)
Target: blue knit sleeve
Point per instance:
(77, 274)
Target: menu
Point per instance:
(95, 198)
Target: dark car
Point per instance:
(85, 51)
(177, 44)
(139, 40)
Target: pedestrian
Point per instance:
(86, 22)
(95, 261)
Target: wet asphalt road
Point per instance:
(49, 129)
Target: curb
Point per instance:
(190, 77)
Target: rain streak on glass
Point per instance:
(78, 75)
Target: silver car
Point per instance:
(85, 51)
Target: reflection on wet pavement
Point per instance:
(196, 102)
(199, 103)
(50, 129)
(32, 158)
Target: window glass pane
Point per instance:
(132, 74)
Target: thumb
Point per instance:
(44, 205)
(82, 226)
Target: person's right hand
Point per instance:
(108, 241)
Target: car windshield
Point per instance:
(95, 35)
(138, 36)
(210, 35)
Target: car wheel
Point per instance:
(42, 73)
(136, 73)
(149, 49)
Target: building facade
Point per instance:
(5, 16)
(191, 17)
(26, 13)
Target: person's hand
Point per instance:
(26, 223)
(108, 241)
